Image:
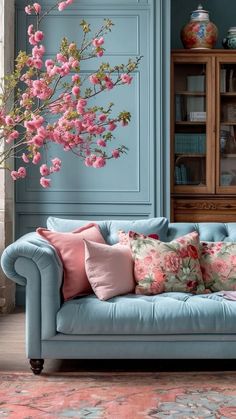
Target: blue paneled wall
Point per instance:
(136, 185)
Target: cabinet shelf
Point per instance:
(228, 156)
(191, 122)
(187, 93)
(232, 94)
(181, 156)
(228, 122)
(194, 154)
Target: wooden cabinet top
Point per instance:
(204, 52)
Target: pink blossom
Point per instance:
(12, 136)
(38, 36)
(49, 63)
(32, 40)
(75, 64)
(28, 10)
(61, 6)
(82, 102)
(97, 42)
(36, 158)
(14, 173)
(37, 140)
(72, 46)
(126, 78)
(37, 8)
(54, 70)
(75, 78)
(94, 79)
(116, 154)
(38, 63)
(30, 30)
(65, 69)
(44, 170)
(45, 183)
(101, 142)
(100, 52)
(56, 162)
(88, 162)
(29, 63)
(112, 126)
(102, 117)
(109, 84)
(68, 2)
(61, 58)
(99, 162)
(34, 123)
(76, 90)
(38, 51)
(100, 130)
(25, 158)
(21, 172)
(9, 120)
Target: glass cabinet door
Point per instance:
(226, 127)
(192, 91)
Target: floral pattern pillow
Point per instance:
(173, 266)
(124, 238)
(218, 265)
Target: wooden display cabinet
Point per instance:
(203, 135)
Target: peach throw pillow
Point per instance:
(70, 248)
(109, 269)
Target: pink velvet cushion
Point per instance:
(109, 269)
(164, 267)
(218, 265)
(70, 248)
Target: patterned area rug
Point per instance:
(118, 395)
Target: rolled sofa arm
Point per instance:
(31, 261)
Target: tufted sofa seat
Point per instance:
(167, 313)
(169, 325)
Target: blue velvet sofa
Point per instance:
(168, 325)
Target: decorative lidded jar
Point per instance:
(200, 32)
(230, 41)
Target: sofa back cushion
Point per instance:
(209, 232)
(70, 248)
(110, 228)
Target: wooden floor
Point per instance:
(12, 355)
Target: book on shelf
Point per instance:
(177, 175)
(181, 175)
(195, 105)
(231, 81)
(178, 108)
(187, 143)
(196, 83)
(197, 116)
(223, 72)
(183, 171)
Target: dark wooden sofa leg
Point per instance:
(36, 365)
